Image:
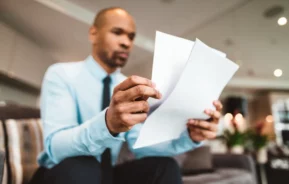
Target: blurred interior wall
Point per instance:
(16, 95)
(23, 59)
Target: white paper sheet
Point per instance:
(171, 54)
(190, 84)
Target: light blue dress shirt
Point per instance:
(74, 124)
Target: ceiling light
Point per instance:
(282, 21)
(278, 73)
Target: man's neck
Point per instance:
(108, 69)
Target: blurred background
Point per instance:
(254, 33)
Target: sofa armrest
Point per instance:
(244, 162)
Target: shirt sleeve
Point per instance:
(169, 148)
(64, 135)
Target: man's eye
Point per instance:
(117, 32)
(131, 36)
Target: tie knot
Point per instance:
(107, 80)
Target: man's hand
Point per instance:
(128, 105)
(200, 130)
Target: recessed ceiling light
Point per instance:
(278, 73)
(282, 21)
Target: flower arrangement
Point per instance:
(257, 141)
(235, 135)
(256, 136)
(254, 139)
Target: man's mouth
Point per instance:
(123, 55)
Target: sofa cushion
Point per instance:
(196, 161)
(3, 165)
(25, 142)
(221, 176)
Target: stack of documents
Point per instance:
(190, 76)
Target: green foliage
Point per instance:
(257, 140)
(250, 139)
(234, 138)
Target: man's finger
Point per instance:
(196, 136)
(139, 91)
(203, 125)
(196, 133)
(218, 105)
(133, 107)
(205, 133)
(133, 81)
(133, 119)
(215, 115)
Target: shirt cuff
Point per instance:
(186, 136)
(99, 134)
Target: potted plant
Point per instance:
(258, 141)
(235, 139)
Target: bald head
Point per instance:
(103, 15)
(112, 35)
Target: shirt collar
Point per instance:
(97, 71)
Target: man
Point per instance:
(83, 127)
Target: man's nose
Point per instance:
(125, 43)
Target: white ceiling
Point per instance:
(236, 27)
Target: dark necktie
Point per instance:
(106, 166)
(106, 92)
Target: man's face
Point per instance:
(113, 41)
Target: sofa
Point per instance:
(21, 141)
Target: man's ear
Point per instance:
(93, 34)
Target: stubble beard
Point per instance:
(114, 61)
